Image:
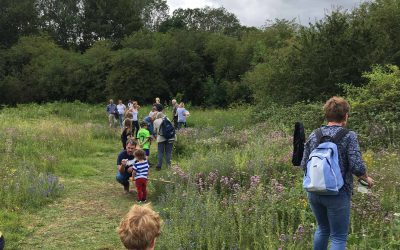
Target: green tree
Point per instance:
(216, 20)
(154, 14)
(17, 18)
(97, 63)
(136, 74)
(107, 19)
(61, 20)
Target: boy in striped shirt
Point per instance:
(140, 173)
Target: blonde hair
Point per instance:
(140, 226)
(336, 109)
(182, 105)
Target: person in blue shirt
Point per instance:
(125, 162)
(182, 114)
(112, 111)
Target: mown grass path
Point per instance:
(87, 213)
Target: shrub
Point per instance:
(375, 107)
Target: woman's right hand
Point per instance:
(369, 180)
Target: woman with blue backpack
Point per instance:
(331, 157)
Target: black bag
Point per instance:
(116, 114)
(167, 129)
(298, 143)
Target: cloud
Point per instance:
(256, 12)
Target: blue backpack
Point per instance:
(322, 174)
(167, 129)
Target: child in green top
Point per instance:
(144, 139)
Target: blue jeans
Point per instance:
(166, 147)
(123, 178)
(182, 123)
(333, 217)
(121, 119)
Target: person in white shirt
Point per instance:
(121, 112)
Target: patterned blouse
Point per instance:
(349, 155)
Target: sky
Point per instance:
(256, 12)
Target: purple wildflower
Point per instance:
(254, 181)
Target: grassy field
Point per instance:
(233, 184)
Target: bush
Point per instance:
(375, 111)
(284, 117)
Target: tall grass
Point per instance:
(233, 186)
(236, 189)
(36, 139)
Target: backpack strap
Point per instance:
(318, 133)
(339, 135)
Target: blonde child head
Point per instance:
(140, 228)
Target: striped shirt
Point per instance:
(141, 169)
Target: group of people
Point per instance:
(118, 113)
(140, 228)
(133, 161)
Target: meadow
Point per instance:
(231, 186)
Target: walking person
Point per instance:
(332, 212)
(164, 145)
(182, 114)
(175, 106)
(121, 112)
(111, 112)
(134, 110)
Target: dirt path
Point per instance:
(84, 217)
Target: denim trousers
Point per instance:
(180, 124)
(164, 147)
(123, 178)
(121, 119)
(333, 218)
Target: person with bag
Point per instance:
(331, 157)
(166, 136)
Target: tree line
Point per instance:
(91, 50)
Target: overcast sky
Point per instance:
(256, 12)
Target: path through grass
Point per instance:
(89, 211)
(87, 214)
